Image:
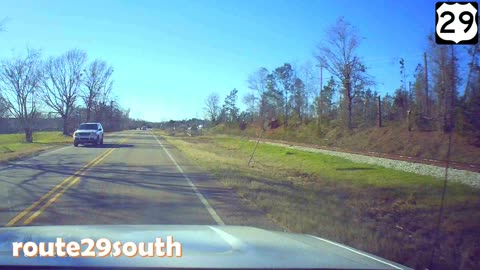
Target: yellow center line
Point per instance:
(72, 179)
(60, 193)
(58, 186)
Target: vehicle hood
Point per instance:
(203, 246)
(86, 130)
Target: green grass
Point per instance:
(13, 146)
(386, 212)
(393, 139)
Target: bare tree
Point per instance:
(307, 75)
(61, 84)
(338, 56)
(3, 106)
(20, 79)
(257, 82)
(445, 77)
(212, 107)
(250, 100)
(97, 84)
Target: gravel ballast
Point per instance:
(461, 176)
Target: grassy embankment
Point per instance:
(13, 146)
(389, 213)
(394, 139)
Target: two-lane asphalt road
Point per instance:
(134, 178)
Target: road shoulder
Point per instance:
(232, 208)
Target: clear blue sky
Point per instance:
(169, 55)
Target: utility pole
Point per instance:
(379, 111)
(319, 103)
(410, 95)
(427, 112)
(451, 99)
(321, 79)
(404, 82)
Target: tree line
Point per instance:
(290, 96)
(67, 86)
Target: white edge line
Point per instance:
(49, 152)
(200, 196)
(40, 155)
(356, 251)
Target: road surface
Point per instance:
(134, 178)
